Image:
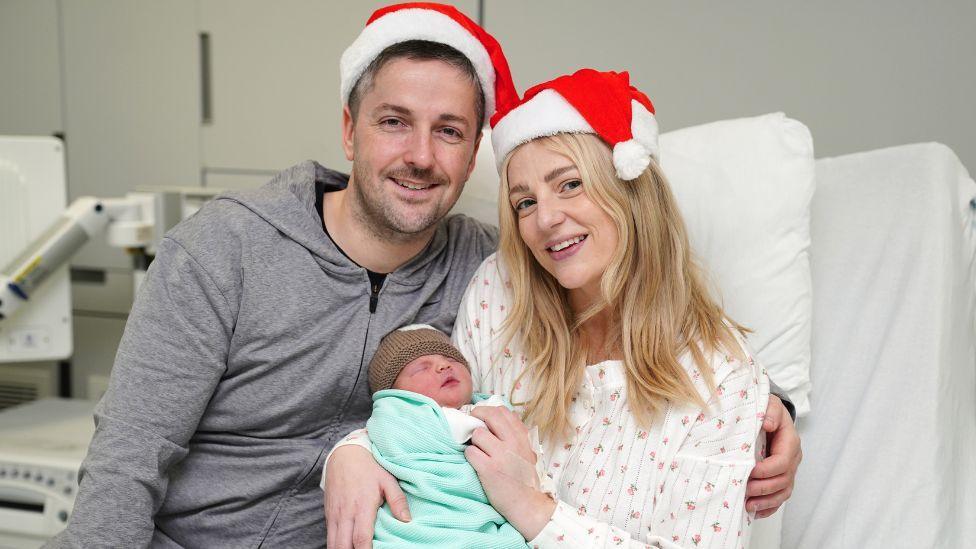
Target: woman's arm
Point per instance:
(701, 501)
(503, 459)
(479, 317)
(698, 495)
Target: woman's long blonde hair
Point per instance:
(653, 288)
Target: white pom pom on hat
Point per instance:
(631, 159)
(587, 101)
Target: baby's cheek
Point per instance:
(417, 384)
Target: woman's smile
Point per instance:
(566, 248)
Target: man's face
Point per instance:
(412, 145)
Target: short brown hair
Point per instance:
(418, 50)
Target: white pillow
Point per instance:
(744, 187)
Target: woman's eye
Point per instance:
(523, 204)
(570, 185)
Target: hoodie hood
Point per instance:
(287, 202)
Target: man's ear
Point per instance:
(348, 129)
(474, 155)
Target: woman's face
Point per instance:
(569, 235)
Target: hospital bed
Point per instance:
(890, 441)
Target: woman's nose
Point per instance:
(549, 213)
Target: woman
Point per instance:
(595, 321)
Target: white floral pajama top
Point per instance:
(679, 483)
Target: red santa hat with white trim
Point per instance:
(587, 101)
(433, 23)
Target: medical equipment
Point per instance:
(42, 445)
(32, 195)
(35, 304)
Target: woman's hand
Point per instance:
(771, 481)
(505, 462)
(355, 487)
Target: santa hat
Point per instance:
(587, 101)
(433, 23)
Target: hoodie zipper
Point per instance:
(374, 298)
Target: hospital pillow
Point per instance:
(744, 187)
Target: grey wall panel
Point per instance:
(861, 75)
(30, 79)
(131, 101)
(275, 79)
(96, 342)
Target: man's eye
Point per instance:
(391, 122)
(452, 133)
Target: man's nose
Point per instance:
(420, 150)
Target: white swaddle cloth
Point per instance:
(461, 421)
(463, 424)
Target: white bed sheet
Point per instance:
(890, 443)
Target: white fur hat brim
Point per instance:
(549, 113)
(415, 24)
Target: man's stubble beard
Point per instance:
(373, 209)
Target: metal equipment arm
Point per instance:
(129, 221)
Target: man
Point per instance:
(242, 360)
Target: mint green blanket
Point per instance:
(412, 440)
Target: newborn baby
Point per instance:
(439, 371)
(422, 394)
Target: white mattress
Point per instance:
(890, 444)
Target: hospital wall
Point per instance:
(123, 81)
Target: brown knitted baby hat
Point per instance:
(399, 347)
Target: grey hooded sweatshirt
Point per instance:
(242, 363)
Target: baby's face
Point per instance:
(443, 379)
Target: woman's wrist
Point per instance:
(533, 514)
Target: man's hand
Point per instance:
(355, 487)
(771, 482)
